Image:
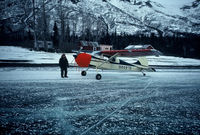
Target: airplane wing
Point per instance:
(110, 59)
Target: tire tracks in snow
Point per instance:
(118, 108)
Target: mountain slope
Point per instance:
(136, 16)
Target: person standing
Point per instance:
(63, 63)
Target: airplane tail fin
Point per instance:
(143, 61)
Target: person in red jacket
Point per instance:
(63, 63)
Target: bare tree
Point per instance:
(34, 31)
(44, 19)
(101, 18)
(36, 19)
(63, 12)
(63, 18)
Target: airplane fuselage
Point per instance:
(112, 63)
(115, 65)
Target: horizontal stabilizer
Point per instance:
(143, 61)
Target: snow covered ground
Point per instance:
(39, 57)
(38, 101)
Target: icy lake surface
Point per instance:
(38, 101)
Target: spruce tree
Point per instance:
(55, 36)
(68, 37)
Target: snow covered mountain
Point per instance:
(121, 16)
(144, 16)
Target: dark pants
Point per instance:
(63, 72)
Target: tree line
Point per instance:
(179, 44)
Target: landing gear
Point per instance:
(143, 73)
(153, 69)
(83, 73)
(98, 76)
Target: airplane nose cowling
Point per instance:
(83, 59)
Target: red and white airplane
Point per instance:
(109, 59)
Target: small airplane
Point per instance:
(109, 60)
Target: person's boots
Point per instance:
(66, 74)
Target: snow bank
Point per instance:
(37, 57)
(167, 60)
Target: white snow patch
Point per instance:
(37, 57)
(173, 6)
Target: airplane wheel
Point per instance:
(98, 76)
(153, 69)
(83, 73)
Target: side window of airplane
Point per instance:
(113, 59)
(116, 60)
